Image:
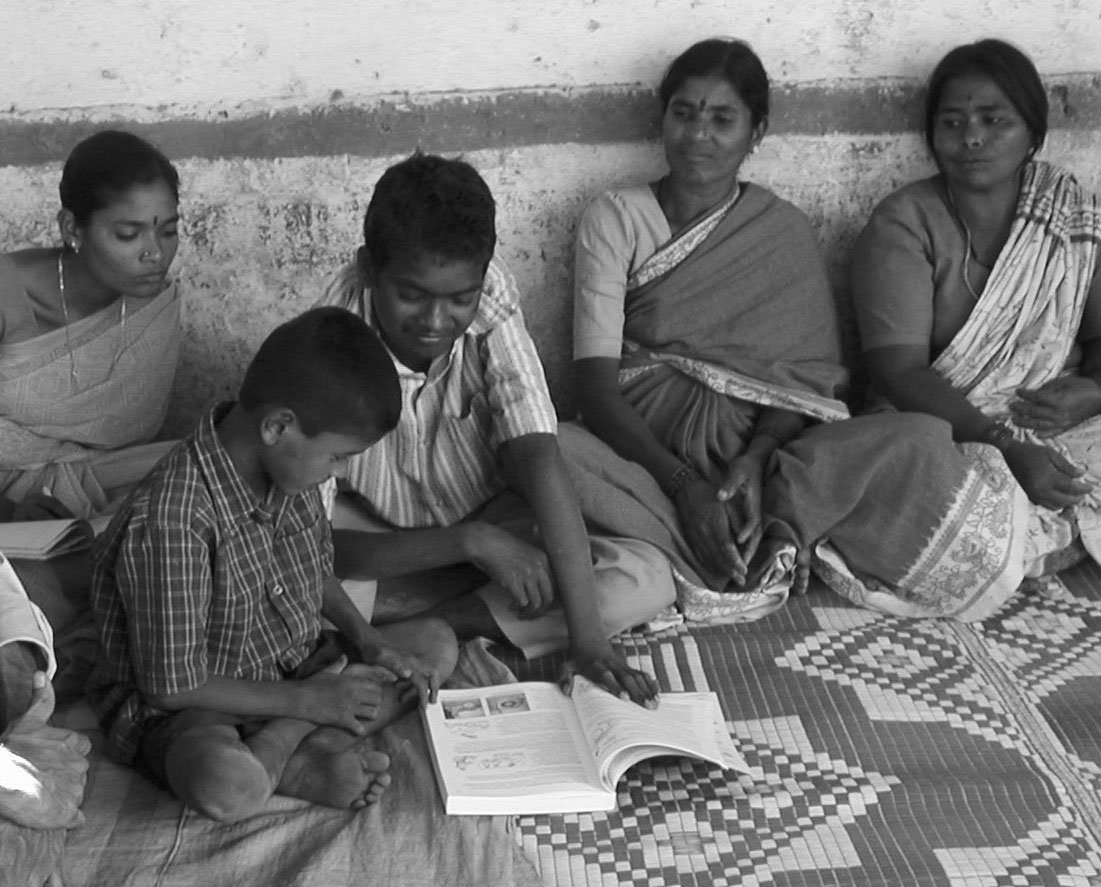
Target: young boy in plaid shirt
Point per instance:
(214, 676)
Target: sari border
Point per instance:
(683, 245)
(730, 383)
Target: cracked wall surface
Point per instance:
(281, 115)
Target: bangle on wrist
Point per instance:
(679, 479)
(998, 435)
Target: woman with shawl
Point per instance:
(979, 301)
(89, 335)
(706, 351)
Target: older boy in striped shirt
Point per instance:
(473, 473)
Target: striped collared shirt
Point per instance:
(196, 577)
(441, 462)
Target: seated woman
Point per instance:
(89, 335)
(979, 301)
(704, 329)
(706, 350)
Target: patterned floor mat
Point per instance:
(893, 752)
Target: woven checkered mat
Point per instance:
(893, 752)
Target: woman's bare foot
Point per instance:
(354, 777)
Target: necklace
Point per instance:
(967, 263)
(74, 376)
(967, 251)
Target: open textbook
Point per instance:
(529, 748)
(41, 539)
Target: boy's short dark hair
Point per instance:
(430, 204)
(331, 370)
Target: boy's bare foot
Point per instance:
(354, 777)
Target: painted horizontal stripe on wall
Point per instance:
(505, 120)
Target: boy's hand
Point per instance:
(521, 568)
(346, 699)
(605, 666)
(411, 668)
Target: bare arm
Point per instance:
(903, 374)
(534, 468)
(386, 554)
(615, 421)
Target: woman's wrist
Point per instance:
(998, 435)
(676, 483)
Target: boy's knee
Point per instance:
(441, 646)
(225, 783)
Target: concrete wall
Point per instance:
(282, 113)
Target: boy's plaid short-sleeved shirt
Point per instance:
(197, 577)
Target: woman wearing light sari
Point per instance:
(707, 352)
(89, 335)
(979, 300)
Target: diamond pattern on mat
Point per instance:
(687, 823)
(914, 673)
(1051, 643)
(1055, 852)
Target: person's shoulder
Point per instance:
(775, 214)
(500, 297)
(176, 494)
(913, 201)
(22, 272)
(758, 198)
(1066, 187)
(619, 208)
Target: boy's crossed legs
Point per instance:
(227, 766)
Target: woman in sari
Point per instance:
(706, 351)
(704, 330)
(979, 299)
(89, 335)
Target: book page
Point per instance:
(621, 733)
(518, 741)
(43, 538)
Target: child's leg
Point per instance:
(331, 756)
(204, 760)
(633, 583)
(433, 642)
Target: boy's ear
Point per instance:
(275, 423)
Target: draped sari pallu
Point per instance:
(75, 402)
